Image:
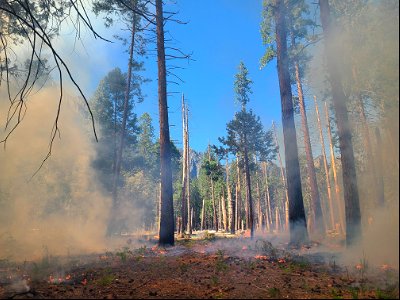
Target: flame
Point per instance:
(262, 257)
(385, 267)
(68, 277)
(359, 266)
(84, 281)
(281, 260)
(244, 248)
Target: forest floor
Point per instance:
(209, 266)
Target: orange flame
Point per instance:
(262, 257)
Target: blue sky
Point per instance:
(220, 34)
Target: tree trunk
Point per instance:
(223, 207)
(239, 201)
(231, 202)
(167, 208)
(184, 169)
(268, 211)
(319, 226)
(379, 174)
(120, 146)
(259, 212)
(215, 219)
(277, 225)
(281, 168)
(203, 215)
(297, 218)
(333, 165)
(351, 198)
(248, 191)
(327, 179)
(189, 209)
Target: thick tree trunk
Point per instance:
(297, 218)
(351, 198)
(167, 208)
(319, 226)
(335, 179)
(327, 179)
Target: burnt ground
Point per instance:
(207, 268)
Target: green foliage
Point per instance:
(391, 293)
(267, 30)
(220, 265)
(106, 280)
(209, 236)
(242, 86)
(274, 293)
(245, 132)
(124, 254)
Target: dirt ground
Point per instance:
(210, 267)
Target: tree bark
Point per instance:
(297, 219)
(319, 226)
(379, 174)
(167, 208)
(203, 215)
(327, 179)
(239, 201)
(184, 169)
(231, 202)
(370, 161)
(260, 224)
(223, 208)
(120, 146)
(215, 219)
(268, 211)
(333, 165)
(189, 209)
(248, 191)
(351, 198)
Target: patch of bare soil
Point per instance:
(209, 268)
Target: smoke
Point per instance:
(366, 44)
(61, 210)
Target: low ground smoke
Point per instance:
(61, 210)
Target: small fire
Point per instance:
(84, 281)
(68, 277)
(385, 267)
(359, 266)
(262, 257)
(244, 248)
(281, 260)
